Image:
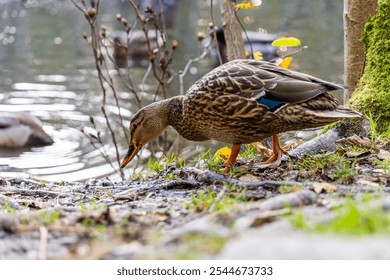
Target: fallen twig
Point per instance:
(210, 177)
(42, 243)
(56, 228)
(175, 184)
(29, 192)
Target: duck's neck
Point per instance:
(175, 113)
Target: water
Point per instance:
(48, 71)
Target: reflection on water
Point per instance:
(47, 70)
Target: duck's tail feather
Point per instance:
(340, 113)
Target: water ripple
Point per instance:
(32, 86)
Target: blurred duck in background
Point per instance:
(19, 130)
(130, 49)
(261, 42)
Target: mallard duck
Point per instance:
(241, 102)
(22, 130)
(133, 46)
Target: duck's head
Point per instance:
(146, 125)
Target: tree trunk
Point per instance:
(356, 13)
(232, 30)
(372, 94)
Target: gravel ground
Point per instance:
(196, 214)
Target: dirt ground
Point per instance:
(192, 213)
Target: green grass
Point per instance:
(249, 152)
(156, 165)
(385, 165)
(196, 245)
(88, 222)
(204, 200)
(139, 176)
(344, 169)
(6, 208)
(160, 165)
(375, 134)
(352, 218)
(48, 218)
(216, 164)
(90, 205)
(212, 163)
(328, 127)
(316, 162)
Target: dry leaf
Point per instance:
(357, 141)
(296, 189)
(357, 154)
(363, 182)
(249, 178)
(324, 187)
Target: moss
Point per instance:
(197, 246)
(203, 201)
(373, 92)
(352, 218)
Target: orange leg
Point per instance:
(276, 158)
(232, 158)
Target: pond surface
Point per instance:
(47, 70)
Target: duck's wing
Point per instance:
(255, 79)
(232, 91)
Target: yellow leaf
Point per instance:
(223, 153)
(245, 5)
(286, 62)
(258, 56)
(286, 42)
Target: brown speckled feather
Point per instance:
(225, 104)
(253, 79)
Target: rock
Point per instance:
(9, 202)
(3, 182)
(300, 198)
(128, 251)
(386, 204)
(201, 226)
(279, 241)
(8, 223)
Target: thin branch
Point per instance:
(187, 67)
(145, 77)
(246, 34)
(215, 33)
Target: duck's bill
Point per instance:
(133, 150)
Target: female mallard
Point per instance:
(241, 102)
